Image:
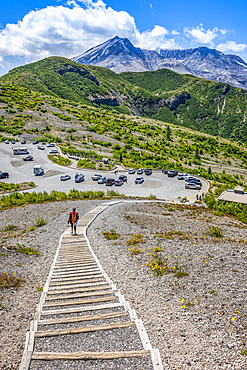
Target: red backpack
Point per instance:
(74, 217)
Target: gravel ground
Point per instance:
(17, 306)
(199, 320)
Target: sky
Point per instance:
(31, 30)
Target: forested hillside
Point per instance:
(185, 100)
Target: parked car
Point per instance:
(123, 178)
(41, 147)
(51, 145)
(139, 171)
(148, 171)
(96, 177)
(192, 185)
(180, 177)
(110, 182)
(196, 181)
(139, 180)
(65, 177)
(131, 171)
(23, 141)
(102, 180)
(28, 158)
(165, 172)
(189, 178)
(4, 175)
(118, 182)
(79, 177)
(35, 142)
(6, 141)
(172, 173)
(12, 141)
(53, 151)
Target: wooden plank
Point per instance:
(73, 265)
(74, 260)
(80, 301)
(88, 355)
(81, 309)
(66, 320)
(73, 271)
(76, 277)
(77, 290)
(86, 280)
(73, 276)
(79, 295)
(85, 283)
(83, 329)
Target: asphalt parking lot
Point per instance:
(157, 184)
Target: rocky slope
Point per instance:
(120, 55)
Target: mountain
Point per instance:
(207, 106)
(211, 64)
(120, 55)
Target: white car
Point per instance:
(132, 170)
(41, 147)
(53, 151)
(51, 145)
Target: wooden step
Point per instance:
(81, 309)
(77, 290)
(79, 295)
(89, 355)
(66, 320)
(83, 329)
(89, 282)
(80, 301)
(76, 277)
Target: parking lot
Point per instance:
(157, 183)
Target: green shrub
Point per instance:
(40, 222)
(9, 281)
(215, 231)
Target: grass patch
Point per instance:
(135, 239)
(215, 231)
(179, 274)
(32, 228)
(111, 235)
(136, 251)
(40, 222)
(40, 289)
(26, 250)
(9, 281)
(10, 227)
(244, 352)
(20, 199)
(58, 159)
(86, 163)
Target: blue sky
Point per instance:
(34, 29)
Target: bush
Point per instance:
(9, 281)
(215, 231)
(112, 235)
(40, 222)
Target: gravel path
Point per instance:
(17, 306)
(197, 321)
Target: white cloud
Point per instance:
(175, 32)
(232, 46)
(199, 34)
(72, 29)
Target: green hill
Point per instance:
(184, 100)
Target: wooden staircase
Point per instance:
(82, 320)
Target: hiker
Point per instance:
(73, 219)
